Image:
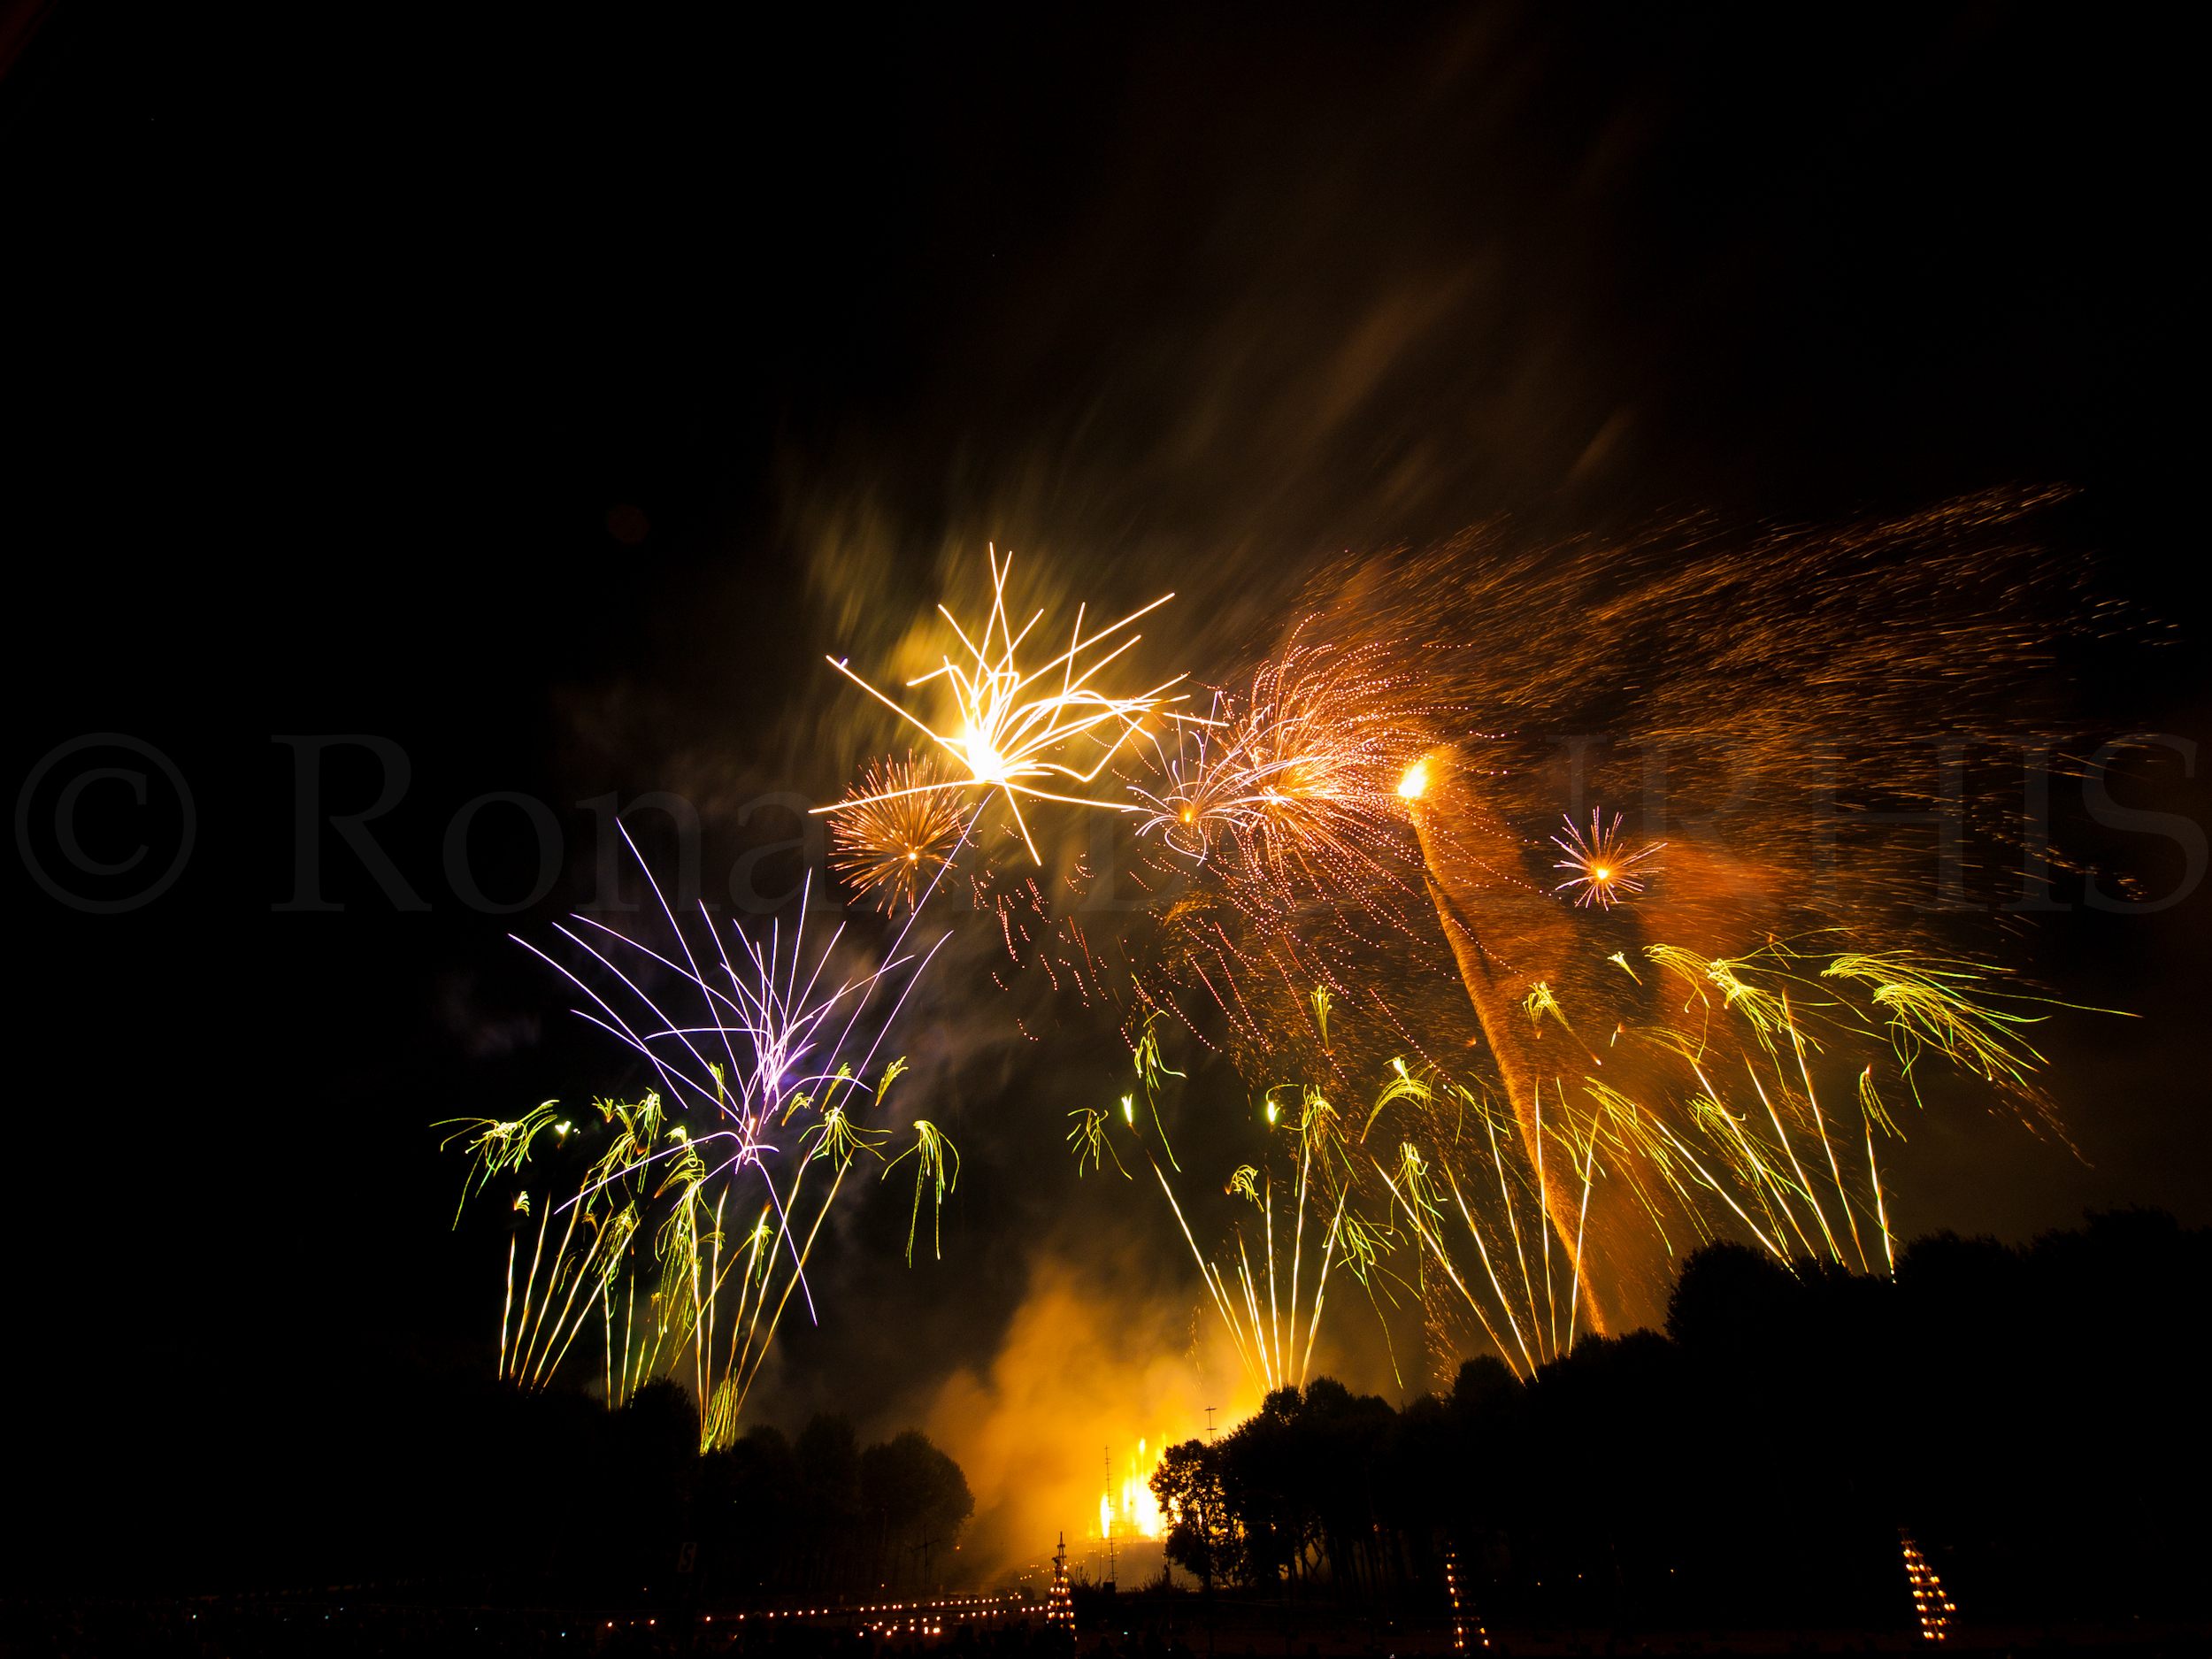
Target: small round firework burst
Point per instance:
(901, 832)
(1603, 865)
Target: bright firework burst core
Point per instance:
(1011, 730)
(905, 823)
(1603, 865)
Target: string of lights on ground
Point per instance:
(1225, 1627)
(926, 1621)
(1930, 1604)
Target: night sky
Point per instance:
(333, 354)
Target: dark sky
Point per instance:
(331, 352)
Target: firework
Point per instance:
(1700, 1082)
(902, 829)
(1712, 1060)
(1295, 774)
(1278, 829)
(689, 1232)
(1271, 1312)
(935, 1159)
(1707, 1118)
(1601, 864)
(1015, 726)
(1203, 793)
(1706, 663)
(1415, 1188)
(496, 1148)
(1647, 1076)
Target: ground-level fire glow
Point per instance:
(1127, 1508)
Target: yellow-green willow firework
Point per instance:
(935, 1160)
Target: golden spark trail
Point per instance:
(1298, 1235)
(1275, 1329)
(1582, 1216)
(1804, 1187)
(1820, 1121)
(1444, 1260)
(1504, 1306)
(1513, 1221)
(1212, 1276)
(536, 1256)
(1469, 860)
(507, 1311)
(1868, 1107)
(1544, 1232)
(1252, 1306)
(1313, 1325)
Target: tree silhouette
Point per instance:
(1201, 1538)
(2030, 1415)
(917, 1499)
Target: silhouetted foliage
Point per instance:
(1188, 1486)
(914, 1499)
(2033, 1415)
(550, 1498)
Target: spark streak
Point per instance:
(1008, 733)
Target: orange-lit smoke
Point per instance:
(1049, 1434)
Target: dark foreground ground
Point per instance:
(250, 1627)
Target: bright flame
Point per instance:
(1415, 782)
(1135, 1512)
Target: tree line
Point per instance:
(821, 1516)
(2033, 1416)
(549, 1499)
